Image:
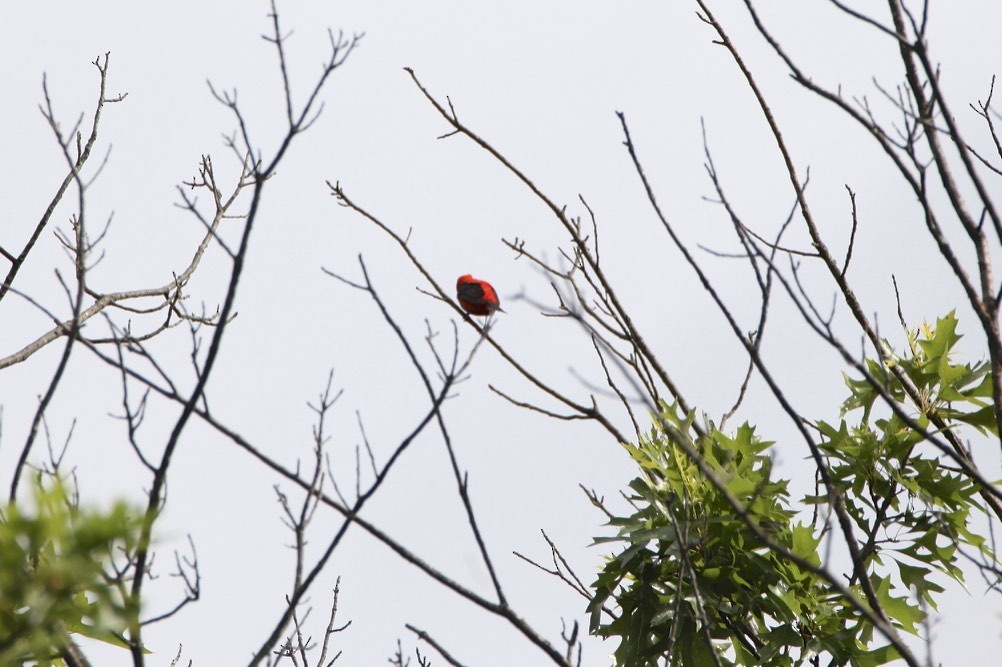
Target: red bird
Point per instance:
(477, 297)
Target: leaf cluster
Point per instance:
(696, 582)
(913, 508)
(57, 574)
(693, 579)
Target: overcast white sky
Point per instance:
(541, 81)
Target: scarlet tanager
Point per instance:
(477, 297)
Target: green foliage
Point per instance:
(693, 570)
(900, 495)
(53, 578)
(694, 584)
(944, 387)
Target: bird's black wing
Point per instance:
(471, 292)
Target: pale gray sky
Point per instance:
(541, 81)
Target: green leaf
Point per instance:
(805, 544)
(983, 419)
(899, 609)
(876, 657)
